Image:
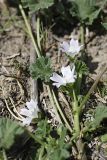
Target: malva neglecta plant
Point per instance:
(52, 142)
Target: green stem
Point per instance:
(4, 154)
(78, 84)
(41, 153)
(79, 143)
(61, 113)
(76, 123)
(34, 137)
(76, 115)
(29, 30)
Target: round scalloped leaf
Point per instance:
(35, 5)
(8, 131)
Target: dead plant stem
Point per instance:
(92, 88)
(61, 113)
(29, 30)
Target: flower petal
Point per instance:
(74, 47)
(25, 112)
(57, 78)
(72, 42)
(64, 46)
(66, 71)
(68, 74)
(32, 104)
(57, 84)
(27, 121)
(34, 114)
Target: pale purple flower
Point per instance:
(71, 48)
(30, 112)
(68, 76)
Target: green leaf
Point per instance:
(41, 69)
(104, 25)
(81, 67)
(35, 5)
(53, 141)
(99, 114)
(43, 130)
(57, 149)
(93, 16)
(1, 155)
(8, 131)
(85, 10)
(104, 138)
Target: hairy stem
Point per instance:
(34, 137)
(76, 115)
(78, 84)
(4, 154)
(79, 143)
(41, 153)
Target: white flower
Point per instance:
(68, 76)
(72, 48)
(30, 112)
